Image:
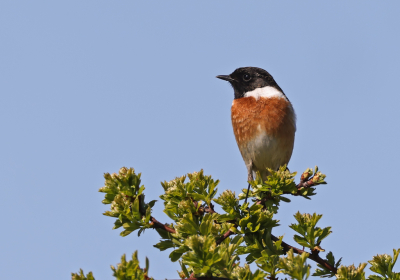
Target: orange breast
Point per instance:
(251, 116)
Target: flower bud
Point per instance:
(306, 174)
(123, 171)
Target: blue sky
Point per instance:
(90, 86)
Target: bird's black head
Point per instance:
(247, 79)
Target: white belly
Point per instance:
(264, 152)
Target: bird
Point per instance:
(263, 121)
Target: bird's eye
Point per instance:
(246, 77)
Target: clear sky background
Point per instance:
(90, 86)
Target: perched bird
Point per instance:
(263, 120)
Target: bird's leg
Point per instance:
(249, 178)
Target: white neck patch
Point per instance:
(266, 92)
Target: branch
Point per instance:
(263, 200)
(225, 236)
(210, 209)
(154, 222)
(307, 182)
(304, 183)
(157, 224)
(313, 256)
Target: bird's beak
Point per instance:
(225, 77)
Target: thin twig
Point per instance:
(157, 224)
(225, 236)
(154, 222)
(313, 256)
(247, 194)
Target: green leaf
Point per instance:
(147, 264)
(151, 203)
(198, 197)
(109, 197)
(206, 226)
(322, 271)
(187, 275)
(187, 225)
(117, 224)
(125, 233)
(135, 209)
(325, 232)
(164, 245)
(176, 254)
(301, 240)
(129, 228)
(148, 215)
(141, 189)
(285, 199)
(163, 233)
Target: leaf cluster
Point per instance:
(383, 265)
(181, 197)
(126, 270)
(81, 276)
(205, 258)
(272, 190)
(209, 244)
(310, 235)
(124, 193)
(295, 266)
(281, 182)
(130, 270)
(197, 228)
